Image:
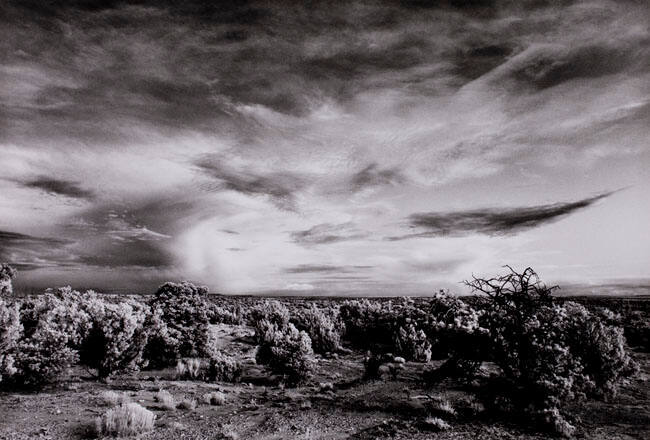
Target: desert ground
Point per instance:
(336, 403)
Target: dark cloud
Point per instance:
(326, 233)
(373, 175)
(326, 268)
(546, 66)
(279, 187)
(59, 187)
(27, 252)
(492, 221)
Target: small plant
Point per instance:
(436, 424)
(285, 350)
(111, 398)
(166, 399)
(187, 404)
(223, 368)
(413, 344)
(10, 331)
(188, 368)
(322, 330)
(215, 398)
(125, 420)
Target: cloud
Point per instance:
(59, 187)
(326, 233)
(27, 252)
(493, 221)
(315, 268)
(280, 188)
(299, 287)
(372, 176)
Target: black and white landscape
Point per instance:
(446, 158)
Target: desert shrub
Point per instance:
(112, 398)
(436, 424)
(224, 312)
(549, 353)
(186, 404)
(179, 323)
(368, 322)
(321, 328)
(637, 330)
(286, 350)
(45, 348)
(215, 398)
(7, 273)
(271, 311)
(129, 419)
(166, 399)
(223, 368)
(117, 338)
(10, 331)
(412, 343)
(188, 368)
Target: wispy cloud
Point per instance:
(492, 221)
(59, 187)
(326, 233)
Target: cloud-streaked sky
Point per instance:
(323, 147)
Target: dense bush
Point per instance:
(549, 353)
(10, 331)
(321, 328)
(223, 368)
(179, 324)
(7, 273)
(412, 344)
(117, 338)
(286, 350)
(271, 311)
(368, 323)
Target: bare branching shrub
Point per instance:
(129, 419)
(286, 350)
(549, 353)
(223, 368)
(321, 328)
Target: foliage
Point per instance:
(223, 368)
(166, 399)
(321, 328)
(10, 331)
(179, 323)
(412, 343)
(129, 419)
(7, 273)
(117, 339)
(188, 368)
(271, 311)
(549, 353)
(286, 350)
(215, 398)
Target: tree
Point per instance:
(7, 273)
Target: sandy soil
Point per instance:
(258, 408)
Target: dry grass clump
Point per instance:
(112, 398)
(445, 407)
(166, 399)
(125, 420)
(436, 424)
(188, 368)
(187, 404)
(215, 398)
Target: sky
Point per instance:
(360, 147)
